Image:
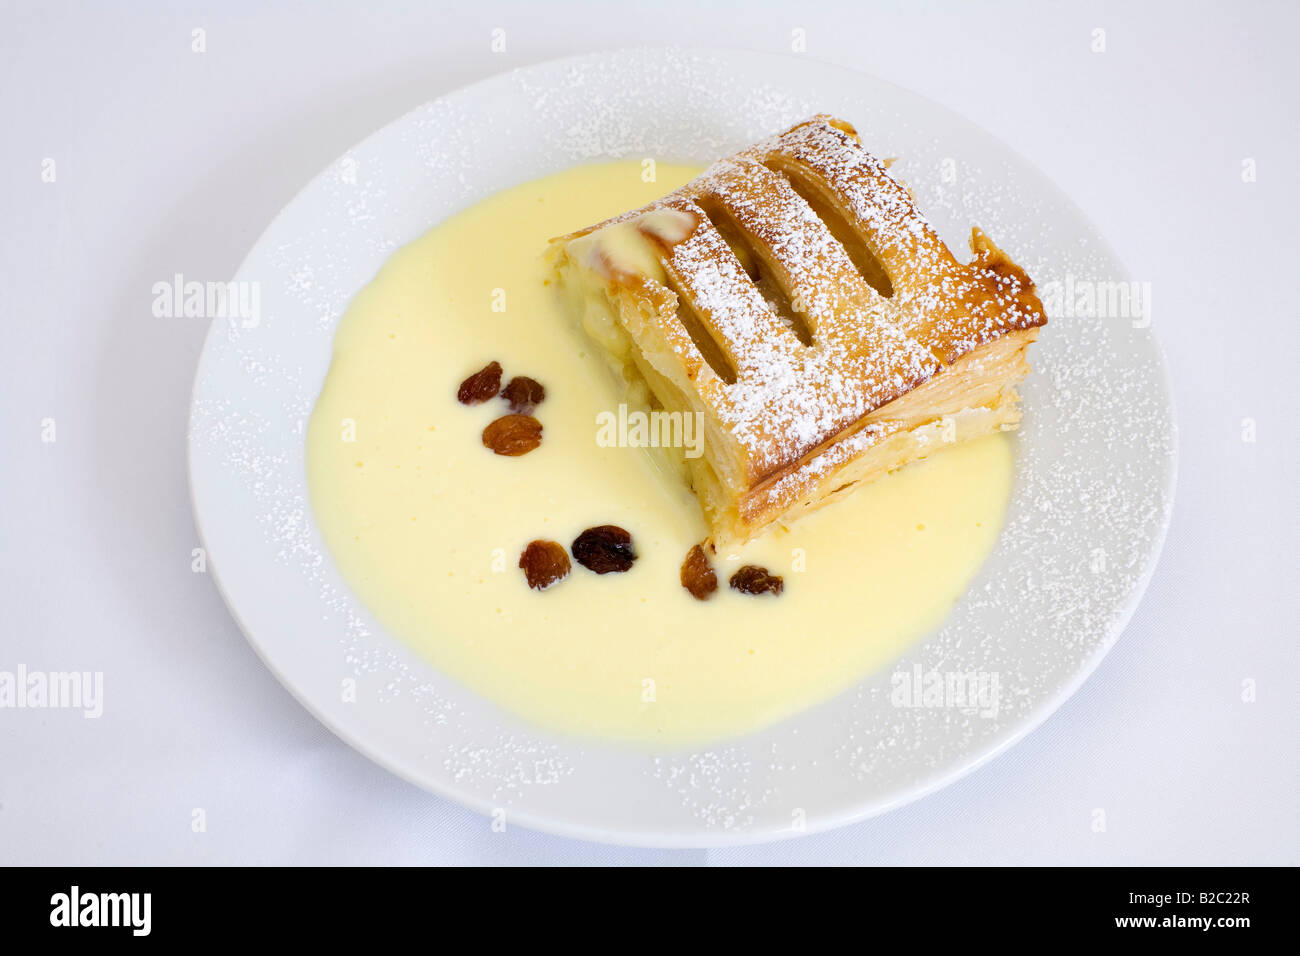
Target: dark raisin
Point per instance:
(523, 393)
(513, 435)
(604, 549)
(751, 579)
(697, 575)
(480, 386)
(544, 563)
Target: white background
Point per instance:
(171, 161)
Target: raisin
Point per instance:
(524, 394)
(751, 579)
(697, 575)
(480, 386)
(544, 563)
(604, 549)
(513, 435)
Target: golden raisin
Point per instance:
(697, 575)
(544, 563)
(604, 549)
(751, 579)
(524, 394)
(513, 435)
(480, 386)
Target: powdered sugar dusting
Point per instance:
(866, 350)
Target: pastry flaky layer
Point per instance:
(795, 298)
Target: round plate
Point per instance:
(1094, 480)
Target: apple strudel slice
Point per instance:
(795, 299)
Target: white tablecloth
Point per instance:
(167, 160)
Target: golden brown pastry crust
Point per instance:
(808, 310)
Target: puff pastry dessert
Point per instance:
(796, 299)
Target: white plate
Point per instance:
(1094, 483)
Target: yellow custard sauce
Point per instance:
(427, 524)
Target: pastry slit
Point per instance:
(703, 271)
(766, 279)
(859, 250)
(689, 317)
